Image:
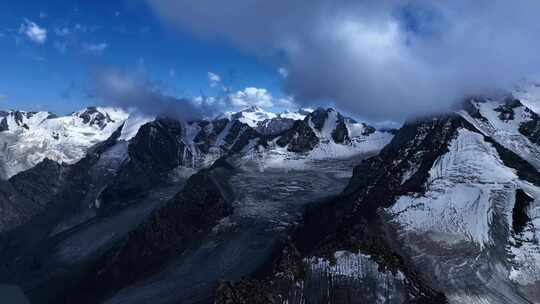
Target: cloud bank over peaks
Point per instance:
(380, 59)
(132, 91)
(119, 88)
(250, 96)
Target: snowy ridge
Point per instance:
(251, 116)
(266, 138)
(256, 116)
(14, 120)
(132, 125)
(28, 140)
(333, 136)
(504, 120)
(27, 137)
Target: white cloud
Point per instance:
(251, 97)
(95, 49)
(33, 32)
(126, 90)
(214, 79)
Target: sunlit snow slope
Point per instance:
(26, 138)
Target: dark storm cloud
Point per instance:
(122, 89)
(380, 58)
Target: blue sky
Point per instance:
(379, 60)
(49, 48)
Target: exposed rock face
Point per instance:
(207, 137)
(341, 133)
(40, 183)
(29, 193)
(520, 213)
(300, 138)
(157, 149)
(93, 116)
(20, 117)
(403, 166)
(239, 136)
(167, 232)
(245, 292)
(3, 124)
(506, 110)
(158, 145)
(277, 285)
(319, 117)
(272, 127)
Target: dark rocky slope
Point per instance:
(164, 235)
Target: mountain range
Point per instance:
(105, 206)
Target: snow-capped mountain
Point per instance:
(266, 122)
(29, 137)
(325, 133)
(460, 195)
(443, 210)
(26, 138)
(250, 116)
(154, 148)
(264, 137)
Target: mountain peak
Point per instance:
(253, 109)
(100, 116)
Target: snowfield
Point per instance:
(463, 224)
(62, 139)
